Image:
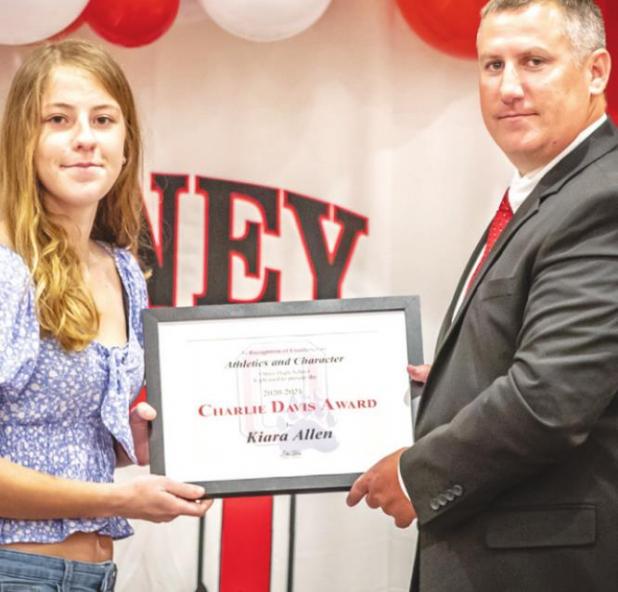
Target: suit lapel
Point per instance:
(448, 317)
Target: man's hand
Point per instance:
(380, 485)
(419, 373)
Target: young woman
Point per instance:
(71, 293)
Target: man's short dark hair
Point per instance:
(583, 20)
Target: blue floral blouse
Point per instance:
(61, 411)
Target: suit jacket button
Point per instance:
(434, 504)
(450, 496)
(457, 490)
(442, 499)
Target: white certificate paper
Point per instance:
(257, 401)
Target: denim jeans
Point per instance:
(27, 572)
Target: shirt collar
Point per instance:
(523, 185)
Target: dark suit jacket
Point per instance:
(514, 474)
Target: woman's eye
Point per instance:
(57, 119)
(103, 120)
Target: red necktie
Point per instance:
(500, 221)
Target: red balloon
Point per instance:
(447, 25)
(131, 22)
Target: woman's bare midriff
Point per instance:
(80, 546)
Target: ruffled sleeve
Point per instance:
(19, 326)
(136, 287)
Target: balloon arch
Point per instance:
(447, 25)
(133, 23)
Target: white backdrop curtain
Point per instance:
(355, 112)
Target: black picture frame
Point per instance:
(156, 320)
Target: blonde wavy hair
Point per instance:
(65, 307)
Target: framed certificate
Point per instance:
(280, 397)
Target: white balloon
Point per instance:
(27, 21)
(265, 20)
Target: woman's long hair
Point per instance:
(65, 307)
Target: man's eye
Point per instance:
(493, 66)
(535, 62)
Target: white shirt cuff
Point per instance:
(401, 483)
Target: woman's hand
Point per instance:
(142, 415)
(419, 373)
(26, 494)
(159, 499)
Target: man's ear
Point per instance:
(599, 68)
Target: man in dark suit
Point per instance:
(514, 473)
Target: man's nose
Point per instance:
(511, 87)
